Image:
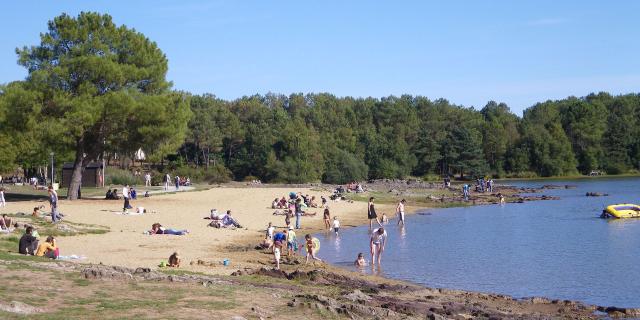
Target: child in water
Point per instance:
(360, 262)
(384, 218)
(311, 248)
(336, 225)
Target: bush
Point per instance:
(114, 176)
(216, 174)
(522, 175)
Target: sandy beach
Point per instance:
(127, 245)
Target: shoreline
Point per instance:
(210, 246)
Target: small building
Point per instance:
(92, 176)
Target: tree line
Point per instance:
(95, 89)
(313, 137)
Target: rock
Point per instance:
(238, 318)
(357, 296)
(596, 194)
(19, 307)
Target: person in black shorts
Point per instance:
(371, 214)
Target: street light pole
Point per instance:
(52, 170)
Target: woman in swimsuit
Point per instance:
(371, 213)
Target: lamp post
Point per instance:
(52, 170)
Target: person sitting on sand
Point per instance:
(282, 204)
(312, 248)
(109, 195)
(146, 194)
(133, 193)
(313, 203)
(5, 222)
(28, 243)
(360, 261)
(228, 220)
(36, 211)
(266, 243)
(274, 204)
(114, 195)
(174, 260)
(48, 248)
(157, 228)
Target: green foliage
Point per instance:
(101, 87)
(114, 176)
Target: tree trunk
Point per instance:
(76, 177)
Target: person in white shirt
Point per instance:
(336, 225)
(377, 244)
(400, 211)
(2, 201)
(147, 179)
(270, 230)
(125, 196)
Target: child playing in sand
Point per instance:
(313, 246)
(174, 260)
(360, 262)
(336, 225)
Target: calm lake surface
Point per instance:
(557, 249)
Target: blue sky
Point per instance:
(469, 52)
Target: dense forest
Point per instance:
(95, 90)
(314, 137)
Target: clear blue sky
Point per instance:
(468, 52)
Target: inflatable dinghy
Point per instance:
(620, 211)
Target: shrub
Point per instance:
(115, 176)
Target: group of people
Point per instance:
(29, 244)
(177, 181)
(286, 241)
(223, 220)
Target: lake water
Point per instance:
(558, 249)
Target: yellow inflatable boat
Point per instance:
(619, 211)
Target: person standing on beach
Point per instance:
(125, 196)
(400, 211)
(147, 179)
(377, 244)
(371, 213)
(3, 203)
(299, 212)
(177, 181)
(53, 202)
(165, 181)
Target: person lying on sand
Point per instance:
(157, 228)
(174, 260)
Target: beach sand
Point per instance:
(126, 245)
